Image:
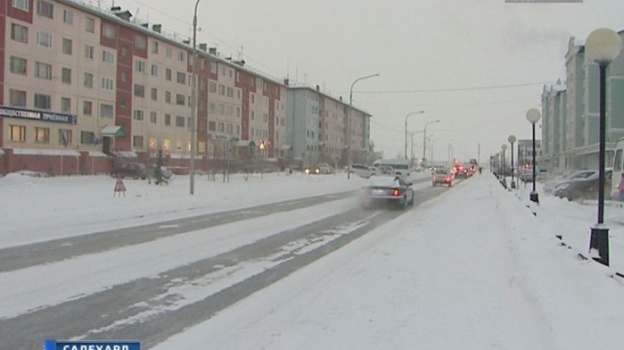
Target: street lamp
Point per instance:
(349, 121)
(504, 179)
(425, 137)
(194, 102)
(512, 140)
(413, 113)
(533, 115)
(602, 46)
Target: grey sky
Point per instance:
(419, 47)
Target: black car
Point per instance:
(129, 169)
(389, 190)
(586, 188)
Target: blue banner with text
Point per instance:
(91, 345)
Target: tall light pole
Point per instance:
(512, 140)
(349, 121)
(602, 46)
(504, 179)
(425, 136)
(413, 113)
(533, 115)
(194, 102)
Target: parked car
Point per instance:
(166, 172)
(551, 186)
(129, 169)
(442, 176)
(586, 188)
(389, 190)
(322, 168)
(362, 170)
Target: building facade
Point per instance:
(82, 86)
(574, 142)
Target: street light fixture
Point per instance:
(533, 115)
(425, 137)
(194, 103)
(512, 140)
(413, 113)
(349, 121)
(602, 46)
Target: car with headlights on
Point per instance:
(387, 190)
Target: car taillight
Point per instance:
(396, 193)
(448, 179)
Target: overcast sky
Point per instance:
(430, 54)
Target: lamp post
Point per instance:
(533, 115)
(512, 140)
(413, 113)
(425, 137)
(504, 177)
(349, 121)
(194, 103)
(602, 46)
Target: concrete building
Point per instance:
(574, 143)
(318, 128)
(82, 85)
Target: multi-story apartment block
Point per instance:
(318, 125)
(80, 85)
(576, 143)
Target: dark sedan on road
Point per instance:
(388, 190)
(586, 188)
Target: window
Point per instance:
(181, 56)
(45, 9)
(21, 4)
(106, 110)
(43, 70)
(44, 39)
(154, 94)
(137, 141)
(87, 108)
(88, 80)
(42, 135)
(139, 115)
(154, 70)
(67, 134)
(17, 133)
(181, 78)
(108, 57)
(19, 33)
(89, 52)
(43, 101)
(86, 137)
(18, 65)
(168, 96)
(213, 87)
(221, 89)
(180, 99)
(17, 98)
(139, 90)
(65, 104)
(66, 75)
(180, 121)
(139, 66)
(168, 74)
(155, 47)
(124, 50)
(140, 42)
(108, 30)
(68, 17)
(124, 76)
(153, 117)
(90, 25)
(169, 51)
(168, 119)
(107, 84)
(212, 126)
(213, 68)
(230, 92)
(166, 144)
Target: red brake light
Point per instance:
(396, 193)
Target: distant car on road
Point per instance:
(362, 170)
(442, 176)
(389, 190)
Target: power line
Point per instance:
(474, 88)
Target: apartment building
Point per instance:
(82, 85)
(318, 126)
(576, 143)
